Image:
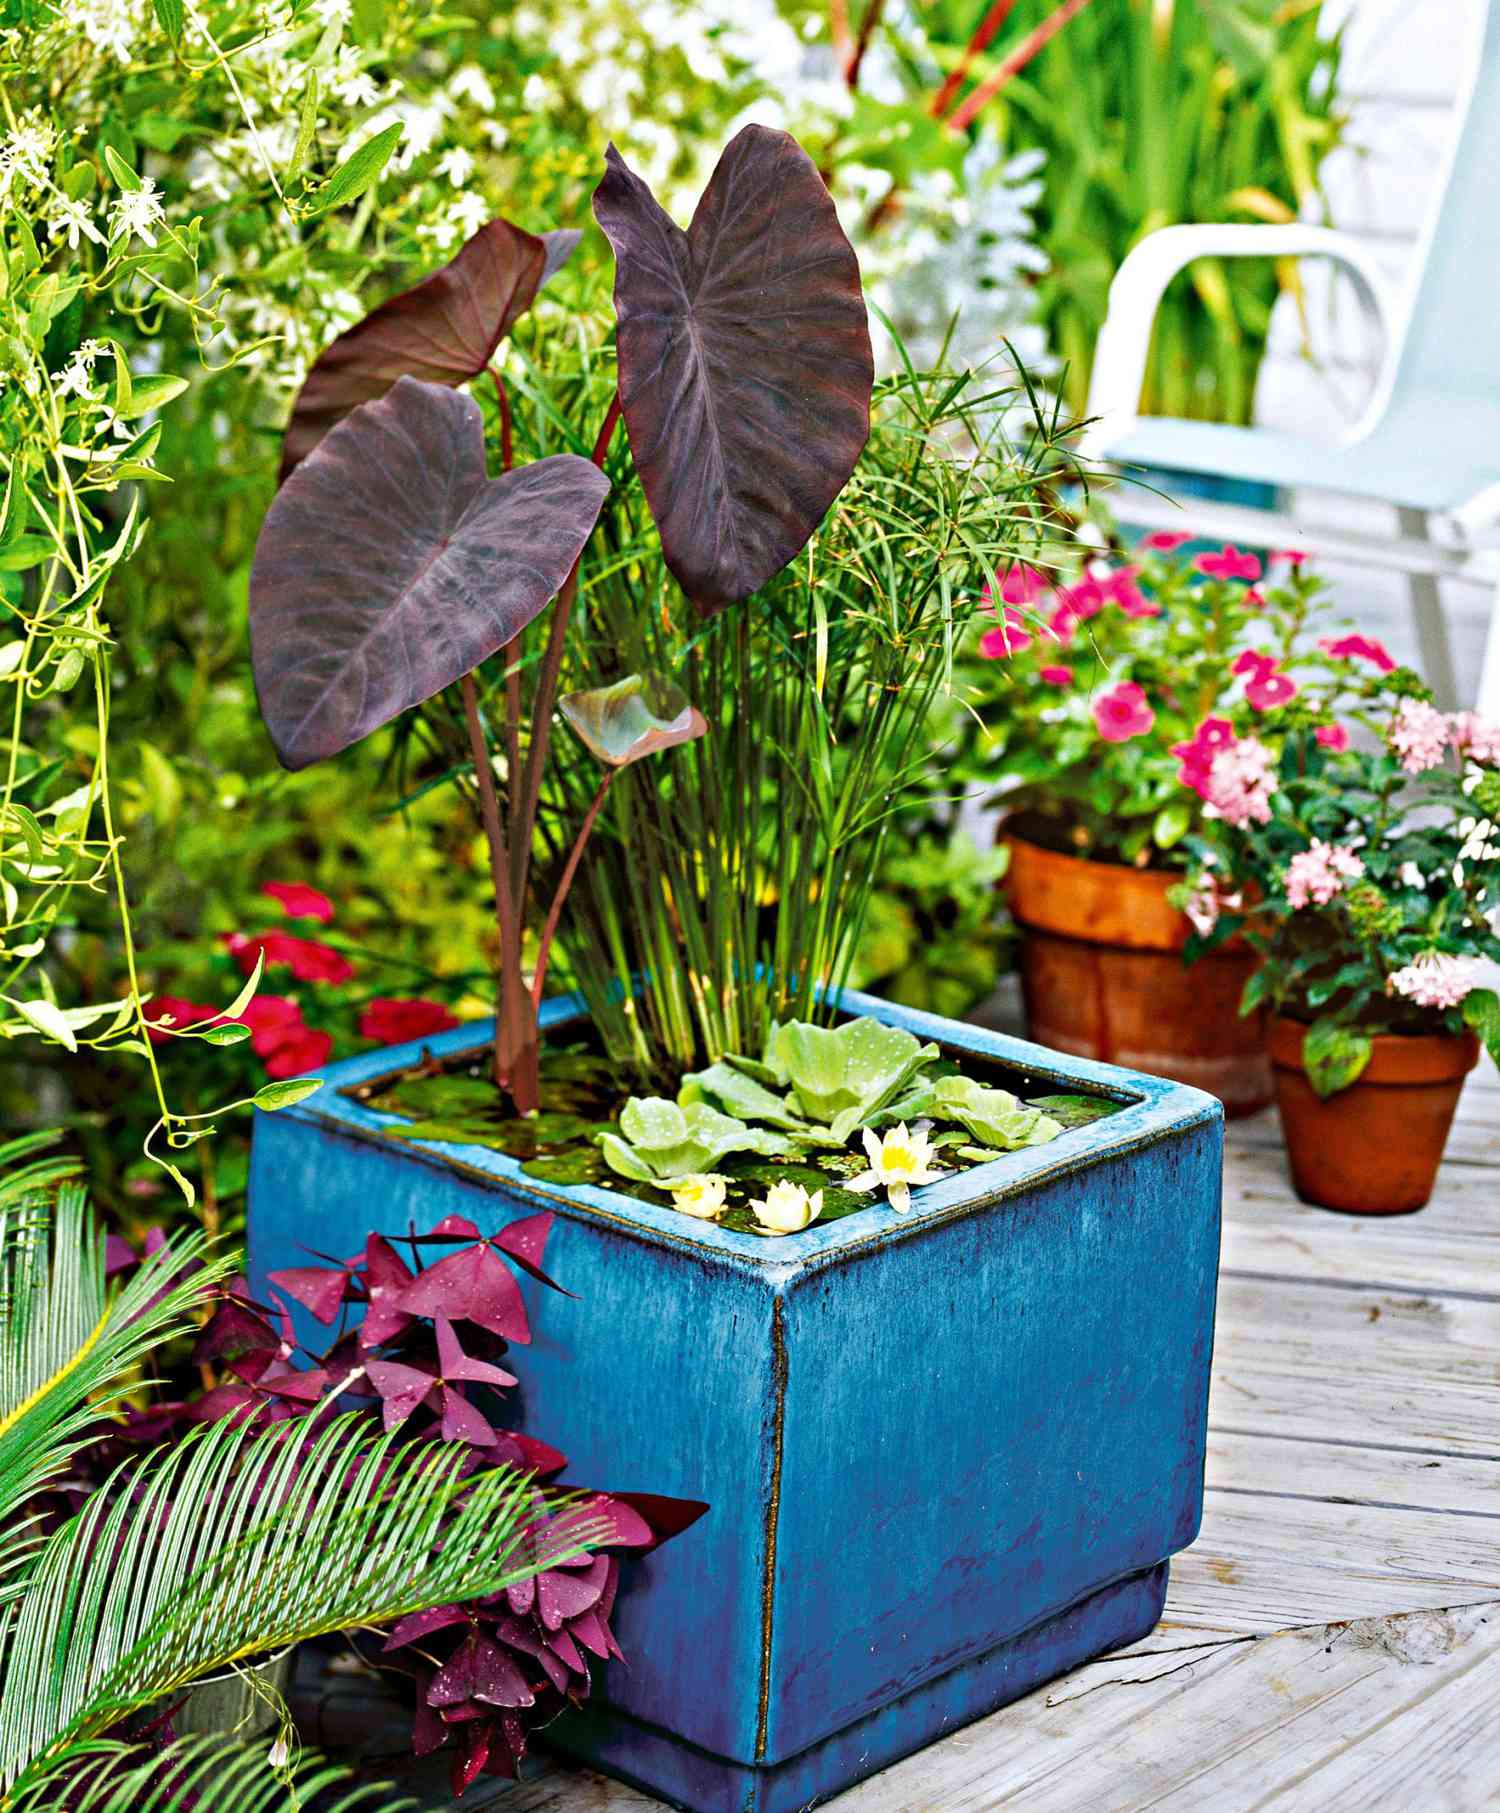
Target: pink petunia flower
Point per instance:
(1229, 563)
(1474, 737)
(1056, 676)
(1362, 648)
(298, 901)
(1436, 980)
(1122, 713)
(1008, 637)
(1319, 872)
(1085, 598)
(1419, 735)
(1019, 584)
(1165, 541)
(307, 960)
(393, 1021)
(1332, 736)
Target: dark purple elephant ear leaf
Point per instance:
(744, 358)
(389, 565)
(444, 330)
(635, 717)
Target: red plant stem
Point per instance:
(507, 440)
(515, 1017)
(984, 35)
(523, 820)
(570, 869)
(862, 43)
(1014, 63)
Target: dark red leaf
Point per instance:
(454, 1224)
(240, 1338)
(389, 565)
(454, 1363)
(668, 1517)
(417, 1625)
(462, 1422)
(513, 1632)
(479, 1670)
(402, 1389)
(744, 357)
(386, 1276)
(303, 1385)
(561, 1595)
(593, 1633)
(566, 1650)
(473, 1753)
(444, 330)
(316, 1287)
(474, 1285)
(524, 1241)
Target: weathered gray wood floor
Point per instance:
(1332, 1640)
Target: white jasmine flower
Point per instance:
(457, 165)
(73, 380)
(73, 219)
(899, 1161)
(468, 214)
(700, 1195)
(787, 1208)
(107, 25)
(351, 82)
(471, 84)
(136, 212)
(333, 12)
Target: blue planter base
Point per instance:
(661, 1764)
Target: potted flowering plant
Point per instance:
(778, 1197)
(1355, 846)
(1085, 690)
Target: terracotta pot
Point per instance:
(1374, 1148)
(1103, 976)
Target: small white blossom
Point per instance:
(471, 84)
(107, 25)
(72, 380)
(333, 12)
(897, 1163)
(73, 219)
(457, 165)
(468, 214)
(136, 212)
(351, 82)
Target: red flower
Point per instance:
(301, 1050)
(1333, 736)
(181, 1013)
(1123, 712)
(308, 961)
(393, 1022)
(1365, 648)
(1254, 598)
(1229, 563)
(298, 901)
(1164, 540)
(282, 1038)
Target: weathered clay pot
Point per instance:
(1103, 976)
(1374, 1148)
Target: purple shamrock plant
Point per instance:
(423, 1342)
(391, 565)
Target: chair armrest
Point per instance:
(1125, 338)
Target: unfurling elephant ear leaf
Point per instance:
(633, 718)
(744, 358)
(389, 565)
(444, 331)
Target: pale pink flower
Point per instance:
(1436, 980)
(1122, 713)
(1239, 783)
(1318, 873)
(1472, 736)
(1419, 735)
(1207, 903)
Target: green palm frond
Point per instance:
(232, 1544)
(198, 1775)
(68, 1347)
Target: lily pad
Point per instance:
(1075, 1110)
(583, 1165)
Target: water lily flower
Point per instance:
(898, 1162)
(1228, 563)
(787, 1208)
(1122, 713)
(700, 1195)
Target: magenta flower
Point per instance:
(1293, 557)
(1122, 588)
(1254, 599)
(1228, 563)
(1057, 676)
(1197, 757)
(298, 901)
(1165, 541)
(1019, 584)
(307, 960)
(1122, 713)
(1085, 598)
(1332, 736)
(1363, 648)
(1008, 637)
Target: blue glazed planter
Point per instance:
(948, 1453)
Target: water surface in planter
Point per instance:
(456, 1102)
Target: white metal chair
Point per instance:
(1428, 445)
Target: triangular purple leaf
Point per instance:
(389, 565)
(417, 1625)
(744, 359)
(474, 1285)
(315, 1287)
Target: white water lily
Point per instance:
(701, 1194)
(897, 1162)
(787, 1208)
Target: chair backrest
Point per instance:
(1451, 344)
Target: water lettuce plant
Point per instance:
(391, 566)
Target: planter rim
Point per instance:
(1097, 902)
(1395, 1057)
(1154, 1109)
